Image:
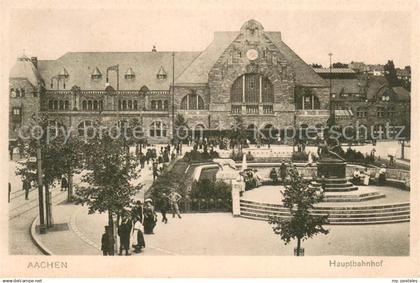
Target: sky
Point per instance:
(369, 36)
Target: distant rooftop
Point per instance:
(334, 70)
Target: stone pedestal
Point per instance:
(238, 186)
(331, 168)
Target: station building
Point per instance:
(250, 73)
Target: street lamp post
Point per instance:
(330, 54)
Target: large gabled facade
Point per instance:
(251, 73)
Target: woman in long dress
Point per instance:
(149, 217)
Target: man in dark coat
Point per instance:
(124, 232)
(26, 186)
(164, 206)
(107, 245)
(283, 172)
(64, 184)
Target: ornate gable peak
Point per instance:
(251, 27)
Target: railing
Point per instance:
(313, 112)
(205, 205)
(268, 109)
(236, 109)
(252, 109)
(103, 92)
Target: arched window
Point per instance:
(361, 112)
(165, 105)
(159, 103)
(90, 106)
(85, 128)
(252, 89)
(84, 105)
(154, 105)
(192, 101)
(66, 105)
(157, 129)
(135, 105)
(50, 105)
(55, 104)
(124, 105)
(95, 105)
(130, 105)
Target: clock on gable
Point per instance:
(252, 54)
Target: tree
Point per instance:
(316, 65)
(340, 65)
(57, 155)
(238, 133)
(110, 171)
(299, 198)
(181, 126)
(391, 74)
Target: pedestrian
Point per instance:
(124, 231)
(149, 216)
(155, 170)
(283, 172)
(26, 186)
(138, 226)
(9, 192)
(174, 197)
(137, 212)
(164, 206)
(64, 184)
(107, 242)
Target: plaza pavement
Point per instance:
(220, 234)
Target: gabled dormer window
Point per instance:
(96, 75)
(161, 75)
(130, 75)
(63, 73)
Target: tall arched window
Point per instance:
(84, 105)
(85, 128)
(252, 90)
(192, 101)
(157, 129)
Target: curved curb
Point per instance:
(35, 240)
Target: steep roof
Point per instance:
(199, 69)
(25, 69)
(146, 65)
(305, 75)
(402, 93)
(345, 86)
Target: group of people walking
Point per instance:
(141, 220)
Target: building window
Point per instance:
(161, 75)
(61, 103)
(124, 105)
(361, 112)
(101, 105)
(192, 101)
(90, 106)
(55, 104)
(135, 106)
(85, 128)
(130, 75)
(159, 104)
(66, 105)
(84, 105)
(158, 129)
(380, 112)
(119, 104)
(130, 105)
(391, 111)
(268, 109)
(50, 105)
(95, 105)
(12, 93)
(252, 89)
(236, 109)
(96, 74)
(16, 111)
(154, 105)
(165, 105)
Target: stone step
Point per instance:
(365, 214)
(357, 199)
(331, 210)
(351, 221)
(353, 208)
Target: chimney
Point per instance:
(154, 48)
(35, 61)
